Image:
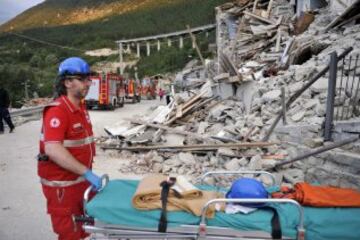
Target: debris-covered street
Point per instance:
(22, 205)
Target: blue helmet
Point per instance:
(247, 188)
(74, 66)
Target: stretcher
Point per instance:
(110, 215)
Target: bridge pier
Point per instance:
(147, 48)
(158, 45)
(181, 42)
(138, 49)
(167, 36)
(128, 48)
(121, 51)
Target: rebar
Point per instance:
(341, 82)
(351, 91)
(346, 86)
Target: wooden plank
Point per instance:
(254, 6)
(230, 65)
(171, 130)
(268, 11)
(186, 107)
(265, 20)
(193, 38)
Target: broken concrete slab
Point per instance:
(187, 158)
(232, 165)
(271, 96)
(297, 117)
(255, 163)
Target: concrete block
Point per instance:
(232, 165)
(174, 139)
(186, 158)
(320, 85)
(271, 95)
(247, 92)
(345, 158)
(226, 90)
(255, 163)
(297, 117)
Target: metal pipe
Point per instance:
(317, 151)
(330, 97)
(201, 178)
(104, 181)
(298, 93)
(283, 103)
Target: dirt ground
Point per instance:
(22, 205)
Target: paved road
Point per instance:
(22, 206)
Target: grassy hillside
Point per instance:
(149, 18)
(92, 24)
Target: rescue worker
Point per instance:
(4, 112)
(67, 150)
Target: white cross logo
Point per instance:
(54, 122)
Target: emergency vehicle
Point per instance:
(148, 88)
(133, 90)
(107, 91)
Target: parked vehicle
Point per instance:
(148, 88)
(133, 90)
(107, 91)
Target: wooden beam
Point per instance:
(193, 38)
(195, 146)
(171, 130)
(262, 19)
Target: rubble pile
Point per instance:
(36, 102)
(265, 56)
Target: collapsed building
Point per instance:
(281, 94)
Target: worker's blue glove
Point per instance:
(92, 178)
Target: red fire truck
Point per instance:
(148, 86)
(107, 91)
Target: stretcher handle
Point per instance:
(83, 219)
(207, 174)
(104, 181)
(300, 227)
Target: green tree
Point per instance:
(51, 60)
(36, 61)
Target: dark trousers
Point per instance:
(167, 99)
(4, 114)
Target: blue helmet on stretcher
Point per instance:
(247, 188)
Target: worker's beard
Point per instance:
(80, 94)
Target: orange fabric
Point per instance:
(321, 196)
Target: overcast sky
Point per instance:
(11, 8)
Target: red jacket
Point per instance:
(64, 123)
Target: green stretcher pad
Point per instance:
(113, 206)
